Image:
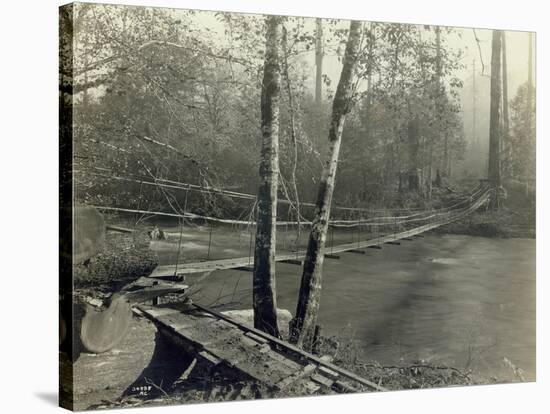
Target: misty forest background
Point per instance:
(175, 95)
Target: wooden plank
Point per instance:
(267, 367)
(169, 276)
(139, 294)
(202, 331)
(321, 379)
(119, 229)
(159, 312)
(327, 372)
(257, 338)
(249, 341)
(296, 350)
(222, 342)
(344, 386)
(293, 262)
(331, 256)
(248, 355)
(210, 358)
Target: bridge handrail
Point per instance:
(338, 223)
(175, 185)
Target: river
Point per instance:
(463, 301)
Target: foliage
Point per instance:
(523, 134)
(174, 94)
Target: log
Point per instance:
(103, 330)
(119, 229)
(321, 361)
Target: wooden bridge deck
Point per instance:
(224, 342)
(170, 271)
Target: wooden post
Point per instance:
(331, 239)
(250, 245)
(359, 231)
(209, 241)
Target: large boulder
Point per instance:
(246, 317)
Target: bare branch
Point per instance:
(478, 43)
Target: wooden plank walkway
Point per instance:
(170, 271)
(224, 342)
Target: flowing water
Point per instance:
(463, 301)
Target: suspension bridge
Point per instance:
(424, 222)
(370, 228)
(221, 342)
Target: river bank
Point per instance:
(437, 311)
(505, 223)
(148, 369)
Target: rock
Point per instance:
(157, 234)
(246, 317)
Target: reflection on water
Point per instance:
(464, 301)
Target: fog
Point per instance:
(476, 58)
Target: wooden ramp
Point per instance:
(171, 271)
(225, 342)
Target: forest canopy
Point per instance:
(173, 95)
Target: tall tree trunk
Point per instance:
(494, 122)
(293, 135)
(414, 176)
(446, 163)
(429, 175)
(531, 128)
(475, 140)
(441, 129)
(264, 290)
(506, 147)
(370, 89)
(319, 62)
(530, 88)
(310, 288)
(530, 67)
